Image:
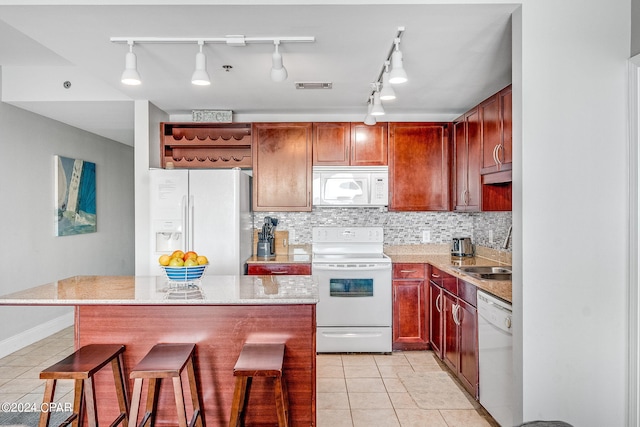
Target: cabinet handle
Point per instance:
(278, 272)
(454, 314)
(439, 303)
(435, 275)
(495, 154)
(408, 271)
(507, 322)
(500, 154)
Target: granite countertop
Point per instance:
(157, 290)
(438, 256)
(297, 254)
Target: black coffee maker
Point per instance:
(266, 238)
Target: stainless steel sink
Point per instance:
(488, 272)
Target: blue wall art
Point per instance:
(75, 196)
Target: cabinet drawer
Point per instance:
(444, 280)
(408, 271)
(272, 268)
(468, 292)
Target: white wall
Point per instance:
(570, 212)
(31, 254)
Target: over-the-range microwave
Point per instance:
(350, 186)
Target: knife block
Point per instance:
(281, 244)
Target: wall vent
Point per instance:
(314, 85)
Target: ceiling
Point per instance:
(455, 56)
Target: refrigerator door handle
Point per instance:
(191, 227)
(185, 213)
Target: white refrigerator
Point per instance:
(203, 210)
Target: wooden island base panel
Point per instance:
(219, 333)
(220, 315)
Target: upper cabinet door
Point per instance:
(331, 144)
(495, 117)
(467, 159)
(419, 164)
(344, 144)
(282, 166)
(505, 156)
(369, 144)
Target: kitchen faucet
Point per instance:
(505, 245)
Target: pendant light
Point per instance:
(398, 74)
(200, 77)
(278, 72)
(130, 75)
(370, 118)
(377, 109)
(387, 93)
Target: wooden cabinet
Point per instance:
(495, 117)
(344, 144)
(419, 165)
(435, 318)
(278, 268)
(467, 159)
(410, 307)
(457, 323)
(282, 166)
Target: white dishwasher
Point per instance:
(495, 357)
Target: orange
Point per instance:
(190, 254)
(202, 260)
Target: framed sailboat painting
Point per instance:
(75, 196)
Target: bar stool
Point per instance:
(166, 361)
(259, 360)
(81, 367)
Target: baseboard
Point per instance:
(35, 334)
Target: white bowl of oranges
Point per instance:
(183, 266)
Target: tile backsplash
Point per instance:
(400, 228)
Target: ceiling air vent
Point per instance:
(314, 85)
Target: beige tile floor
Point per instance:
(368, 390)
(20, 371)
(352, 389)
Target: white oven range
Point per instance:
(354, 312)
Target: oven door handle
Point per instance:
(347, 267)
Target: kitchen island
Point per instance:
(219, 315)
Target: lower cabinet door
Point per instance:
(450, 332)
(435, 318)
(468, 347)
(409, 315)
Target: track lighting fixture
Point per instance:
(377, 109)
(278, 72)
(387, 93)
(397, 75)
(370, 119)
(130, 75)
(200, 76)
(382, 88)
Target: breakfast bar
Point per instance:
(218, 313)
